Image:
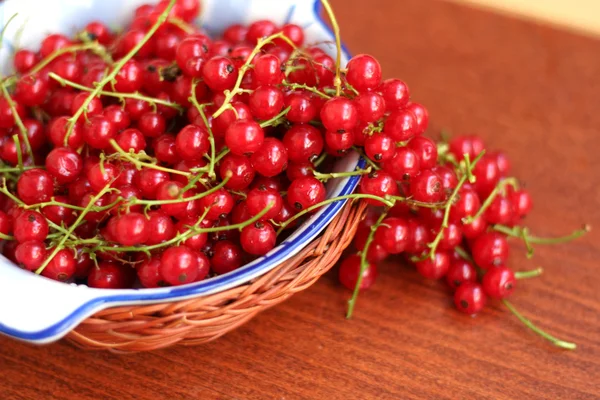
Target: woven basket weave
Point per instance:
(202, 319)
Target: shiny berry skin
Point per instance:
(266, 102)
(62, 266)
(469, 298)
(172, 190)
(148, 273)
(98, 132)
(7, 118)
(393, 235)
(468, 144)
(400, 125)
(339, 114)
(131, 140)
(148, 180)
(260, 29)
(421, 115)
(35, 133)
(152, 124)
(436, 268)
(338, 142)
(258, 238)
(179, 265)
(31, 254)
(30, 225)
(164, 149)
(6, 223)
(293, 32)
(521, 201)
(31, 90)
(380, 147)
(452, 236)
(259, 199)
(64, 164)
(487, 176)
(130, 78)
(364, 72)
(419, 236)
(271, 159)
(448, 177)
(35, 186)
(219, 73)
(475, 228)
(460, 271)
(370, 106)
(190, 55)
(503, 163)
(267, 70)
(53, 42)
(499, 283)
(99, 32)
(395, 93)
(98, 178)
(235, 33)
(132, 228)
(501, 211)
(220, 203)
(191, 143)
(198, 240)
(350, 270)
(117, 116)
(426, 151)
(25, 60)
(303, 108)
(466, 204)
(94, 107)
(57, 130)
(427, 187)
(490, 250)
(244, 137)
(110, 275)
(227, 256)
(305, 192)
(380, 184)
(403, 165)
(304, 143)
(160, 226)
(240, 171)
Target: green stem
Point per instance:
(150, 203)
(276, 120)
(517, 232)
(9, 170)
(334, 175)
(415, 203)
(111, 76)
(181, 24)
(222, 154)
(488, 201)
(529, 274)
(371, 163)
(555, 341)
(364, 264)
(337, 81)
(139, 164)
(151, 100)
(354, 196)
(211, 137)
(82, 215)
(19, 153)
(19, 123)
(6, 237)
(311, 89)
(464, 254)
(230, 94)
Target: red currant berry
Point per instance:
(393, 235)
(400, 125)
(469, 298)
(110, 275)
(117, 116)
(98, 132)
(395, 93)
(403, 166)
(219, 73)
(149, 273)
(260, 29)
(267, 70)
(25, 60)
(31, 254)
(35, 186)
(302, 107)
(370, 106)
(460, 271)
(239, 169)
(271, 159)
(436, 268)
(427, 187)
(350, 271)
(258, 239)
(266, 102)
(64, 164)
(421, 115)
(31, 90)
(61, 267)
(132, 229)
(227, 256)
(244, 137)
(339, 115)
(304, 143)
(490, 250)
(380, 147)
(364, 72)
(499, 283)
(380, 184)
(30, 225)
(179, 265)
(192, 142)
(258, 199)
(220, 202)
(305, 192)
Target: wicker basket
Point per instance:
(199, 320)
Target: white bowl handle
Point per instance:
(39, 309)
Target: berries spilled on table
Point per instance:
(161, 156)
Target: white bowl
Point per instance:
(36, 309)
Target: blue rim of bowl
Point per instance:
(241, 275)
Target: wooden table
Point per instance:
(532, 90)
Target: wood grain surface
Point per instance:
(529, 89)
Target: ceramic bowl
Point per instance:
(40, 310)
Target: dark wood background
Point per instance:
(529, 89)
